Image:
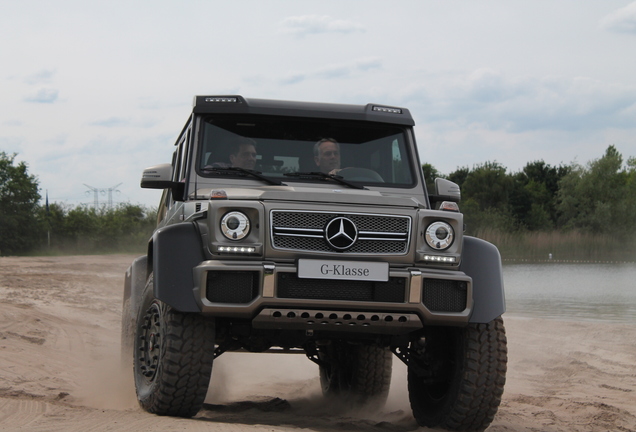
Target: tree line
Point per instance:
(596, 200)
(27, 226)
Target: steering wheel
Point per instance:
(360, 174)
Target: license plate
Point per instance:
(343, 270)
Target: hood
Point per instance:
(316, 195)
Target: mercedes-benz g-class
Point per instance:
(307, 227)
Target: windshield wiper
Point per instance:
(249, 172)
(322, 175)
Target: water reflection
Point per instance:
(605, 292)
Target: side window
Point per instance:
(163, 206)
(180, 161)
(186, 156)
(181, 158)
(401, 173)
(175, 164)
(184, 159)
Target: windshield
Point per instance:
(282, 147)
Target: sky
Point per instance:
(92, 92)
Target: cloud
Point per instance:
(43, 76)
(335, 71)
(111, 122)
(43, 95)
(315, 24)
(293, 78)
(488, 99)
(622, 20)
(368, 63)
(114, 122)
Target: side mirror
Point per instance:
(446, 190)
(160, 177)
(157, 177)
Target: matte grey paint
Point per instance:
(177, 249)
(482, 262)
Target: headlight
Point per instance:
(439, 235)
(235, 225)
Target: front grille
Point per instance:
(445, 295)
(232, 286)
(305, 231)
(289, 285)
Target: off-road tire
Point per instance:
(173, 357)
(362, 373)
(468, 373)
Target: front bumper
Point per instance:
(272, 295)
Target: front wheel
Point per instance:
(173, 354)
(457, 376)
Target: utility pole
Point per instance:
(97, 191)
(110, 195)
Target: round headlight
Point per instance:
(439, 235)
(235, 225)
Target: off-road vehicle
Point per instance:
(259, 249)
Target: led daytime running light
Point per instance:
(442, 259)
(237, 249)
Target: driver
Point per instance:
(243, 153)
(327, 155)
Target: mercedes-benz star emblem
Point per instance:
(341, 233)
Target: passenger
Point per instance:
(327, 155)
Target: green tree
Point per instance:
(489, 185)
(485, 197)
(84, 229)
(533, 197)
(430, 174)
(459, 176)
(19, 196)
(599, 198)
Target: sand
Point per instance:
(60, 369)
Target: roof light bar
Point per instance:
(387, 110)
(222, 99)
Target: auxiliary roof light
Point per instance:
(387, 109)
(221, 99)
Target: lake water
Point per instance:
(604, 292)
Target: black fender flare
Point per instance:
(482, 262)
(136, 277)
(176, 250)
